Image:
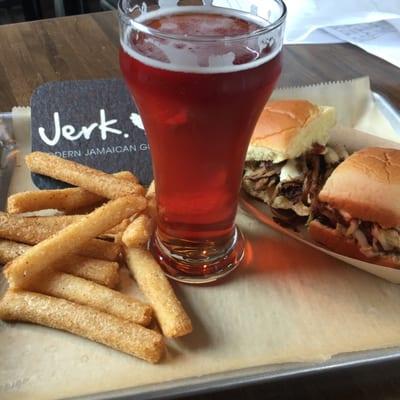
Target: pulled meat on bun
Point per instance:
(288, 159)
(358, 209)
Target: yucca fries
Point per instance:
(10, 250)
(170, 314)
(68, 200)
(56, 268)
(151, 190)
(95, 181)
(57, 199)
(151, 200)
(101, 249)
(84, 321)
(71, 239)
(99, 271)
(138, 231)
(173, 320)
(32, 230)
(119, 229)
(82, 291)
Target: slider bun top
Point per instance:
(288, 128)
(367, 186)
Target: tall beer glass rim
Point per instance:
(123, 12)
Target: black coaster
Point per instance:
(95, 123)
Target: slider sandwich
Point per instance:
(358, 212)
(288, 159)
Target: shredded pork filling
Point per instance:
(292, 186)
(372, 239)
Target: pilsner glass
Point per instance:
(200, 75)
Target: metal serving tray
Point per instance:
(7, 156)
(388, 110)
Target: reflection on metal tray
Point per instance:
(7, 156)
(388, 110)
(235, 379)
(262, 374)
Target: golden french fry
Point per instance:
(32, 230)
(170, 314)
(88, 293)
(140, 228)
(118, 229)
(138, 232)
(101, 249)
(93, 180)
(10, 250)
(67, 200)
(84, 321)
(116, 233)
(151, 200)
(43, 226)
(152, 208)
(57, 199)
(71, 239)
(137, 229)
(151, 190)
(127, 176)
(99, 271)
(86, 209)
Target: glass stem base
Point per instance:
(198, 262)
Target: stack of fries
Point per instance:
(62, 270)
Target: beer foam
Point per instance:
(181, 56)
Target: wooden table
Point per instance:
(86, 47)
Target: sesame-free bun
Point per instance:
(367, 186)
(288, 128)
(335, 241)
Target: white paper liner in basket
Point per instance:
(353, 140)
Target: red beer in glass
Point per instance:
(200, 77)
